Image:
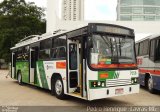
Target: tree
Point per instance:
(17, 20)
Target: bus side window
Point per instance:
(61, 52)
(157, 50)
(58, 50)
(44, 54)
(54, 53)
(137, 49)
(58, 53)
(152, 50)
(19, 55)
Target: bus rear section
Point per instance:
(148, 59)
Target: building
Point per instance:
(73, 10)
(138, 10)
(54, 23)
(52, 15)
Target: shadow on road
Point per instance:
(101, 102)
(81, 102)
(157, 92)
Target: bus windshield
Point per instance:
(111, 52)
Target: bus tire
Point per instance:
(150, 85)
(58, 88)
(19, 78)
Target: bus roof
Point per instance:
(36, 38)
(149, 37)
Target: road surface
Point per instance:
(12, 94)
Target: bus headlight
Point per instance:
(134, 80)
(97, 84)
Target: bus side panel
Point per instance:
(41, 79)
(45, 70)
(142, 79)
(156, 80)
(23, 66)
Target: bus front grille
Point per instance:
(118, 82)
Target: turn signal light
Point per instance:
(103, 76)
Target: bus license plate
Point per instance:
(119, 91)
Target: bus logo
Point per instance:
(116, 75)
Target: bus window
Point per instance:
(19, 55)
(58, 48)
(60, 41)
(45, 44)
(58, 53)
(158, 50)
(145, 47)
(152, 50)
(61, 52)
(137, 49)
(54, 53)
(111, 52)
(141, 49)
(26, 53)
(44, 54)
(73, 56)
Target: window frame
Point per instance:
(142, 51)
(58, 46)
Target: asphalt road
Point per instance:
(12, 94)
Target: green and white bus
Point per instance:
(92, 62)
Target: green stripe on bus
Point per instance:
(37, 83)
(111, 75)
(23, 66)
(42, 75)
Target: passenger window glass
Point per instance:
(58, 53)
(44, 54)
(158, 50)
(137, 49)
(145, 47)
(22, 54)
(45, 44)
(60, 41)
(61, 52)
(152, 46)
(58, 47)
(54, 53)
(141, 49)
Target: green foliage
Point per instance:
(17, 20)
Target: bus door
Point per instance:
(73, 66)
(13, 65)
(33, 59)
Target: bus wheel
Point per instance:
(150, 85)
(19, 78)
(59, 88)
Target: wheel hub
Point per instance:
(58, 87)
(150, 84)
(19, 78)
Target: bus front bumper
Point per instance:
(112, 91)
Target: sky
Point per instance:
(104, 9)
